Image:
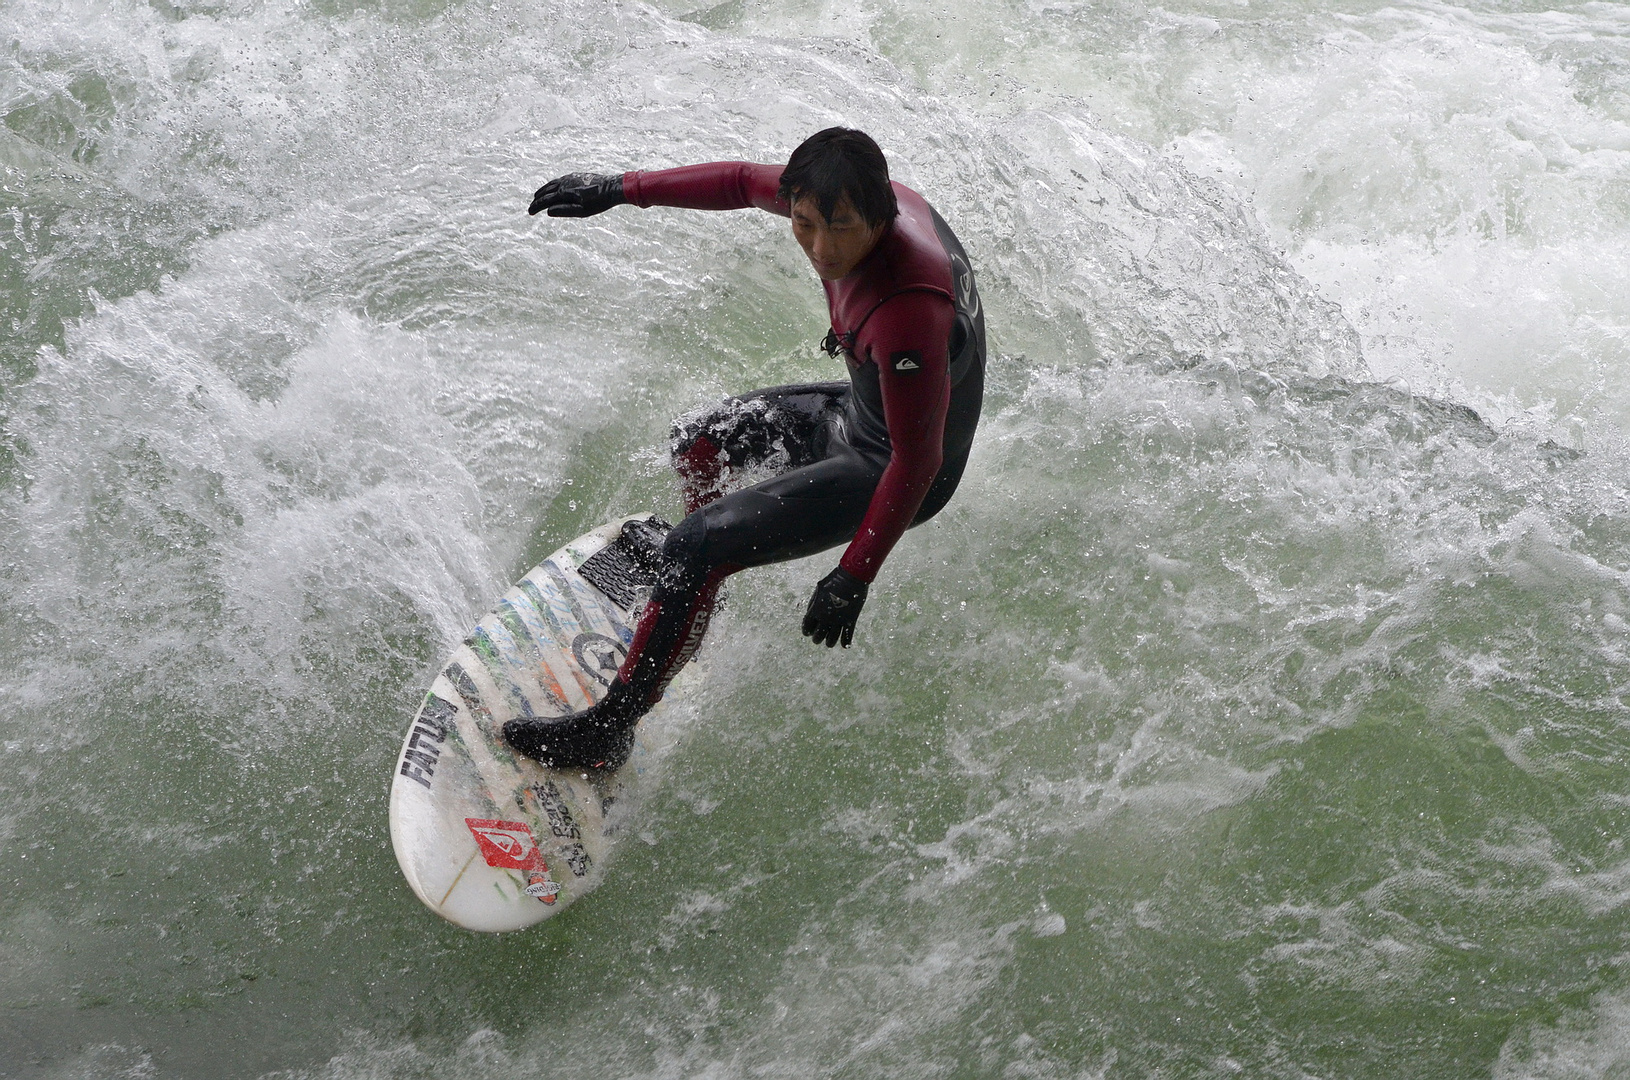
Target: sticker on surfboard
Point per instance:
(511, 845)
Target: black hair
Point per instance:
(837, 162)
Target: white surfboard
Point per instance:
(489, 839)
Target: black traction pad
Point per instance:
(629, 563)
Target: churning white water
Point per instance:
(1256, 709)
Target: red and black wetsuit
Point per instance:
(857, 462)
(862, 461)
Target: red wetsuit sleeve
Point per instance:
(908, 338)
(720, 185)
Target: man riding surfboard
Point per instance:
(856, 463)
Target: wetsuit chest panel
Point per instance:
(868, 431)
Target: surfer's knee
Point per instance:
(704, 547)
(685, 550)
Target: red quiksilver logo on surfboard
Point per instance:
(510, 845)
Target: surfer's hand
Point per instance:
(834, 608)
(579, 195)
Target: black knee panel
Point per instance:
(685, 553)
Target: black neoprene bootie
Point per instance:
(599, 737)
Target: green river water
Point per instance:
(1256, 709)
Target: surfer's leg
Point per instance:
(810, 508)
(798, 513)
(667, 635)
(671, 625)
(750, 437)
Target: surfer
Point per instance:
(857, 462)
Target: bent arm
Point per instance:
(909, 340)
(719, 185)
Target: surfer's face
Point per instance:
(835, 245)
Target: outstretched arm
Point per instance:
(721, 185)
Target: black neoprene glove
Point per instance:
(833, 609)
(579, 195)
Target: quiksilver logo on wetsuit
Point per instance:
(907, 361)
